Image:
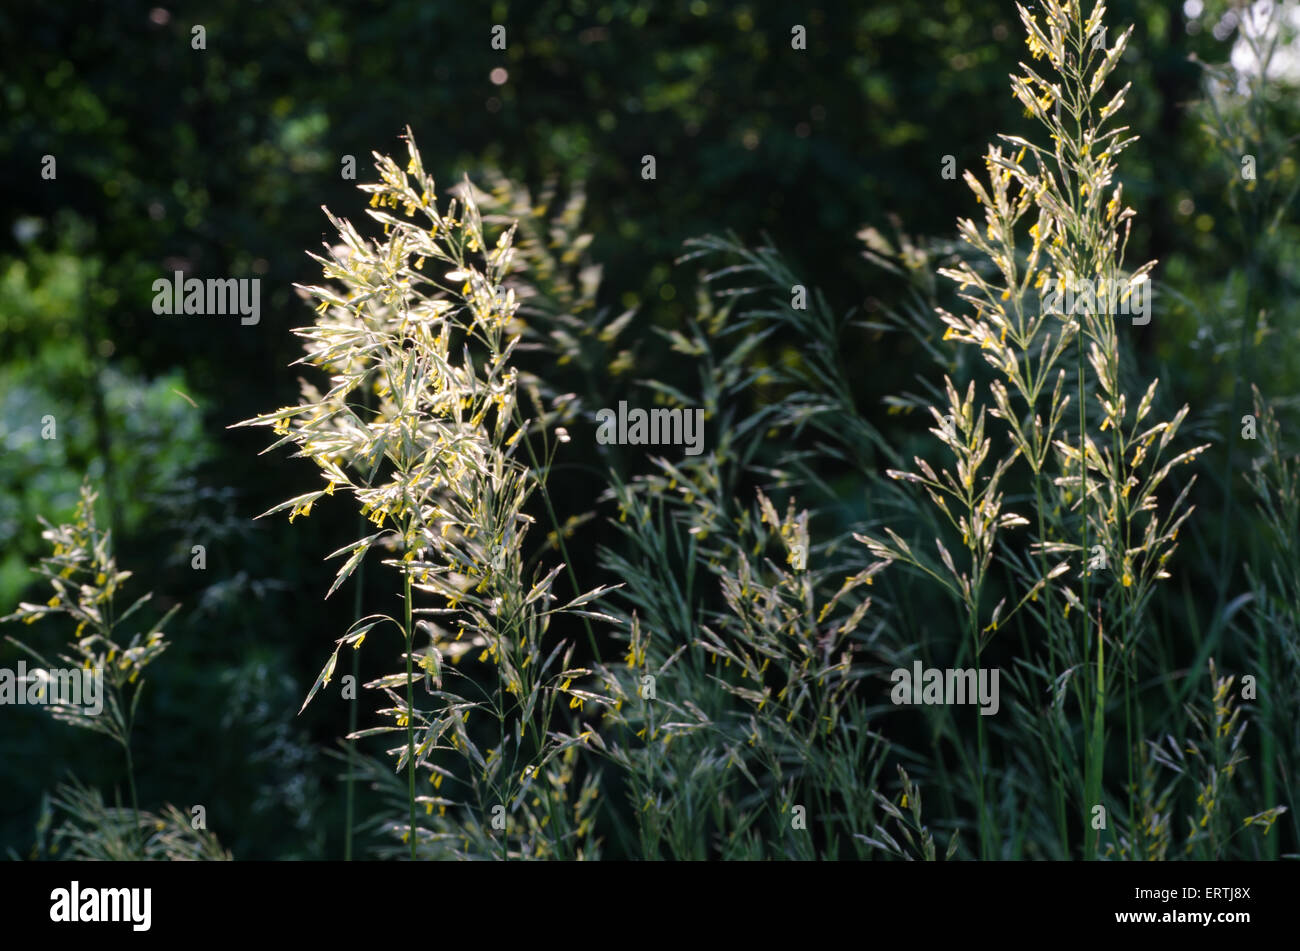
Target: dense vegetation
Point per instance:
(794, 270)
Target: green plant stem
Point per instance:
(1096, 747)
(1267, 745)
(501, 752)
(1050, 613)
(349, 811)
(350, 807)
(410, 709)
(1128, 745)
(1092, 765)
(135, 802)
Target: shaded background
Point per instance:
(217, 161)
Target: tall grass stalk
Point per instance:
(424, 319)
(83, 572)
(1085, 495)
